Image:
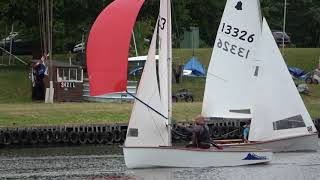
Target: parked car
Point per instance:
(12, 35)
(79, 47)
(278, 37)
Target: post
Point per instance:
(284, 24)
(135, 44)
(11, 41)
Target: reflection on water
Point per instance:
(106, 162)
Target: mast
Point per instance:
(169, 49)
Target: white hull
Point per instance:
(292, 144)
(150, 157)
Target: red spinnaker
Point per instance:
(108, 47)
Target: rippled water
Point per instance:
(106, 162)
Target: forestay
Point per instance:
(228, 90)
(279, 111)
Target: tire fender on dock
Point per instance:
(83, 138)
(23, 136)
(91, 137)
(15, 137)
(57, 136)
(6, 138)
(100, 137)
(65, 136)
(49, 136)
(108, 137)
(34, 136)
(74, 137)
(116, 135)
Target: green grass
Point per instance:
(16, 108)
(15, 85)
(38, 114)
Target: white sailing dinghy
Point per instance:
(248, 79)
(148, 141)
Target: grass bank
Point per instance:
(38, 114)
(16, 108)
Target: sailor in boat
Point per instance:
(246, 132)
(199, 134)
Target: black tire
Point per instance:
(23, 136)
(34, 136)
(215, 132)
(65, 137)
(49, 137)
(123, 134)
(315, 81)
(116, 135)
(42, 138)
(188, 99)
(309, 80)
(6, 138)
(57, 136)
(83, 138)
(232, 132)
(74, 137)
(91, 137)
(100, 137)
(108, 137)
(223, 132)
(15, 137)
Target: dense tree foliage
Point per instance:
(73, 19)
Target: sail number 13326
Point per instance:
(237, 33)
(233, 49)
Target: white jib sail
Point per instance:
(146, 127)
(228, 87)
(279, 111)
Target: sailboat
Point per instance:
(248, 79)
(148, 139)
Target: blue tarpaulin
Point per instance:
(195, 67)
(296, 72)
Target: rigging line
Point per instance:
(44, 27)
(135, 97)
(175, 20)
(50, 37)
(40, 25)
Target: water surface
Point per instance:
(106, 162)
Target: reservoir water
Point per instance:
(106, 162)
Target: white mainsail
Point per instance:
(228, 92)
(148, 126)
(278, 111)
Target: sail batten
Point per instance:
(108, 46)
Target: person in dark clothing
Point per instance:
(200, 134)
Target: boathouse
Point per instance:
(67, 81)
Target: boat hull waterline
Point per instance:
(291, 144)
(152, 157)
